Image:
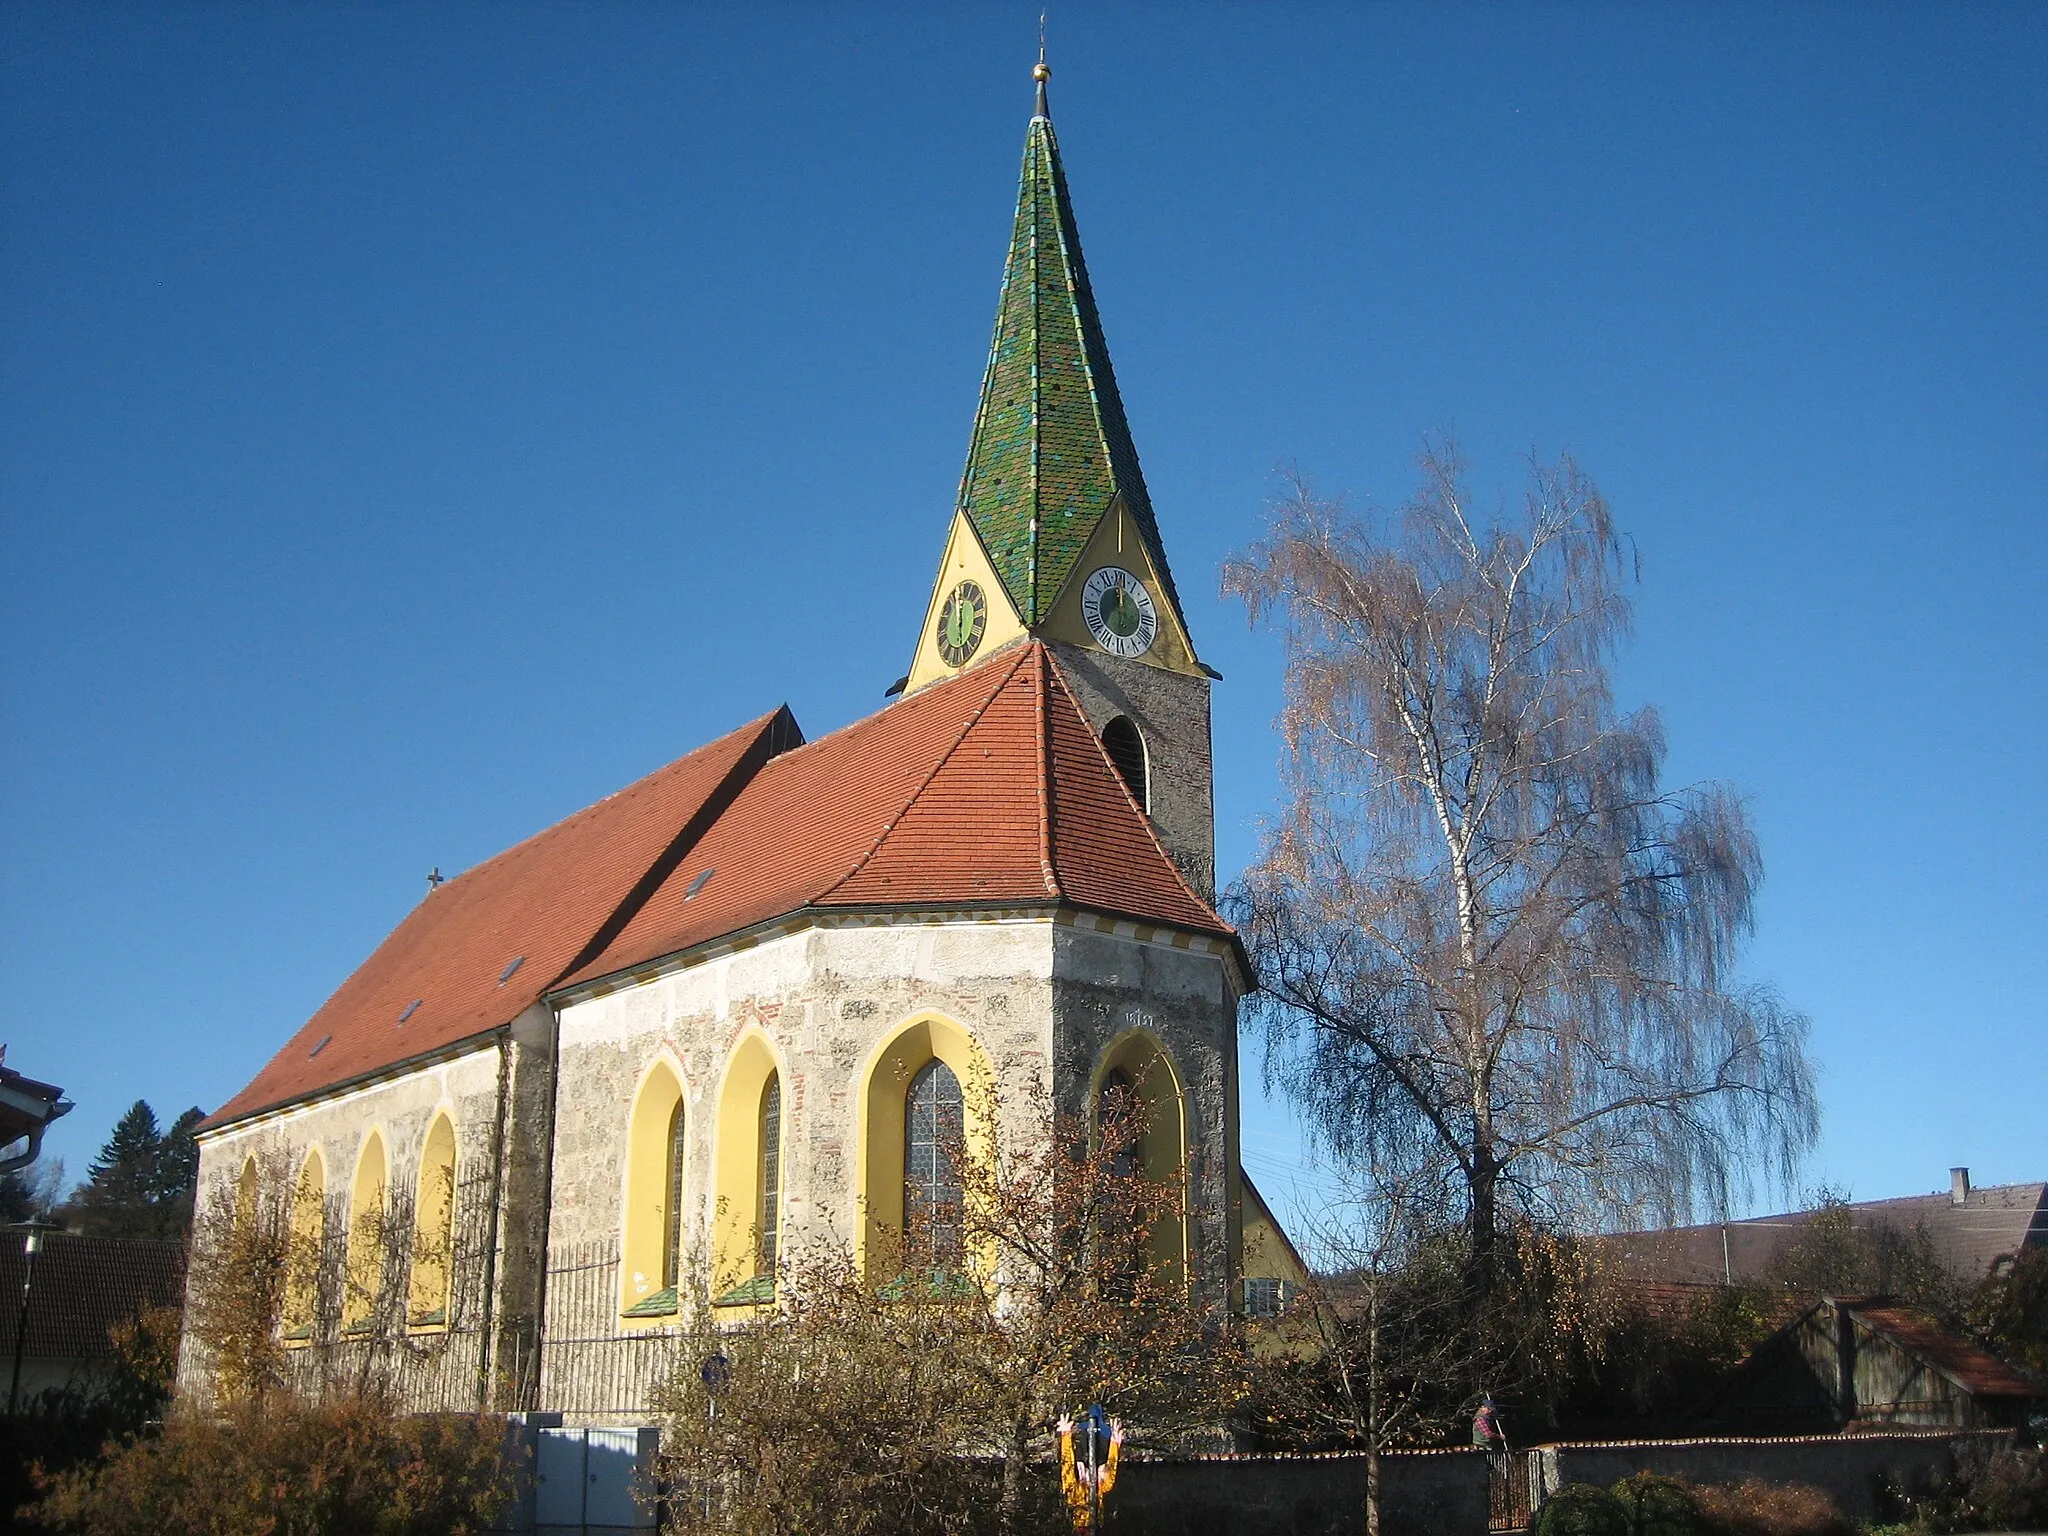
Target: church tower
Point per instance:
(1054, 537)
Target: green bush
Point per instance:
(1658, 1506)
(353, 1468)
(1581, 1509)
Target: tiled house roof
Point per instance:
(988, 790)
(447, 974)
(83, 1287)
(1991, 1223)
(1051, 450)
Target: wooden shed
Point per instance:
(1851, 1363)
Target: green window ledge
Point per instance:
(438, 1318)
(748, 1293)
(358, 1330)
(930, 1285)
(660, 1304)
(303, 1335)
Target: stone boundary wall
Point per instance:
(1445, 1493)
(1848, 1467)
(1422, 1493)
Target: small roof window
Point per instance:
(319, 1048)
(506, 974)
(697, 884)
(411, 1008)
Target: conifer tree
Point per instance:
(140, 1184)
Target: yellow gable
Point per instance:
(965, 560)
(1116, 543)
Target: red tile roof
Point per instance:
(83, 1287)
(1975, 1370)
(985, 790)
(553, 900)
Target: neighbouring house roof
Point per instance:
(26, 1107)
(83, 1287)
(1051, 451)
(1990, 1224)
(548, 903)
(984, 791)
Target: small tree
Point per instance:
(920, 1392)
(1484, 933)
(2009, 1311)
(237, 1279)
(1371, 1344)
(1834, 1254)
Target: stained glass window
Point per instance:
(771, 1171)
(672, 1204)
(932, 1125)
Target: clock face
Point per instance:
(963, 620)
(1119, 612)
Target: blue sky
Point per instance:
(419, 421)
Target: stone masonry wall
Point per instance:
(1172, 713)
(1042, 998)
(403, 1109)
(1108, 983)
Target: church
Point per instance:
(726, 1012)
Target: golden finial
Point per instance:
(1039, 71)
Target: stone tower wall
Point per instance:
(1171, 711)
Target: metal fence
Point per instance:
(590, 1367)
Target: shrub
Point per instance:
(1756, 1508)
(2010, 1491)
(1581, 1509)
(1658, 1506)
(353, 1468)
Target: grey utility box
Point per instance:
(594, 1482)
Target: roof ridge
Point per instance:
(1144, 819)
(525, 844)
(888, 827)
(1045, 795)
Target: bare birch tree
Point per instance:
(1485, 935)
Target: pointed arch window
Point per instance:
(1126, 749)
(1139, 1095)
(364, 1273)
(433, 1240)
(247, 1191)
(771, 1176)
(655, 1226)
(934, 1126)
(672, 1203)
(746, 1217)
(306, 1251)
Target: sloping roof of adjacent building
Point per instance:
(25, 1103)
(1969, 1367)
(1991, 1223)
(1051, 450)
(985, 791)
(83, 1287)
(484, 947)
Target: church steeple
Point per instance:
(1051, 455)
(1053, 536)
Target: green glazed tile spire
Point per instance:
(1051, 451)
